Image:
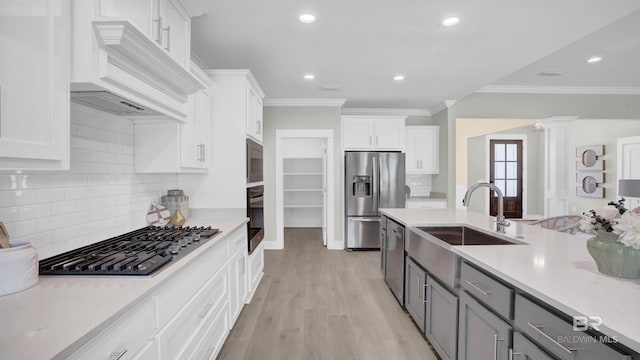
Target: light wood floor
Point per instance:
(315, 303)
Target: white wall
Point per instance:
(277, 117)
(597, 132)
(98, 198)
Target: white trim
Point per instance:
(525, 193)
(304, 102)
(445, 104)
(236, 72)
(332, 242)
(621, 166)
(578, 90)
(396, 112)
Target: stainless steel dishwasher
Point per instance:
(394, 258)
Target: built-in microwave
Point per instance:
(255, 213)
(254, 162)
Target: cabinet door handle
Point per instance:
(495, 346)
(158, 22)
(370, 139)
(426, 291)
(473, 284)
(203, 152)
(205, 311)
(168, 30)
(118, 355)
(420, 164)
(258, 127)
(513, 353)
(548, 337)
(376, 139)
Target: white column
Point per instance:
(556, 160)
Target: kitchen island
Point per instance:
(554, 268)
(65, 314)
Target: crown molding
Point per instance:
(445, 104)
(237, 72)
(391, 112)
(304, 102)
(575, 90)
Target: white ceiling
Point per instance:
(360, 45)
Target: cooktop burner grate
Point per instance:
(140, 252)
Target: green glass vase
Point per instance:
(614, 258)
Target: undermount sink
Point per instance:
(463, 235)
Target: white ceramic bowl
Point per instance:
(18, 268)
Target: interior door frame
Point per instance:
(327, 134)
(525, 193)
(621, 166)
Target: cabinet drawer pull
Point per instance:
(168, 30)
(158, 22)
(496, 339)
(546, 336)
(426, 291)
(205, 311)
(118, 355)
(473, 284)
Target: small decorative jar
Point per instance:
(613, 257)
(18, 268)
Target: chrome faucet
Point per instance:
(501, 223)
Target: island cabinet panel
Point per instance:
(497, 296)
(482, 334)
(526, 350)
(415, 287)
(441, 319)
(558, 336)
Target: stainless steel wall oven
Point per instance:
(255, 213)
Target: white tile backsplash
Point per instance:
(99, 197)
(420, 184)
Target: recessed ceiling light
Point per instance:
(450, 21)
(552, 73)
(309, 77)
(398, 77)
(594, 59)
(307, 18)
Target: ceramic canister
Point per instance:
(18, 268)
(176, 200)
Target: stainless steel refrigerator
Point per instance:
(373, 180)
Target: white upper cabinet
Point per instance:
(171, 147)
(254, 113)
(361, 132)
(34, 85)
(175, 30)
(136, 49)
(422, 149)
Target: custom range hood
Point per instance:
(119, 68)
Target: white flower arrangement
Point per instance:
(628, 227)
(614, 218)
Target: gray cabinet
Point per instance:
(557, 335)
(523, 349)
(415, 288)
(482, 334)
(441, 319)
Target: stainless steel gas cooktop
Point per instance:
(140, 252)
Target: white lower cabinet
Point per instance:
(125, 338)
(190, 315)
(180, 336)
(238, 283)
(150, 351)
(256, 269)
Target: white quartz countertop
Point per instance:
(554, 267)
(59, 314)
